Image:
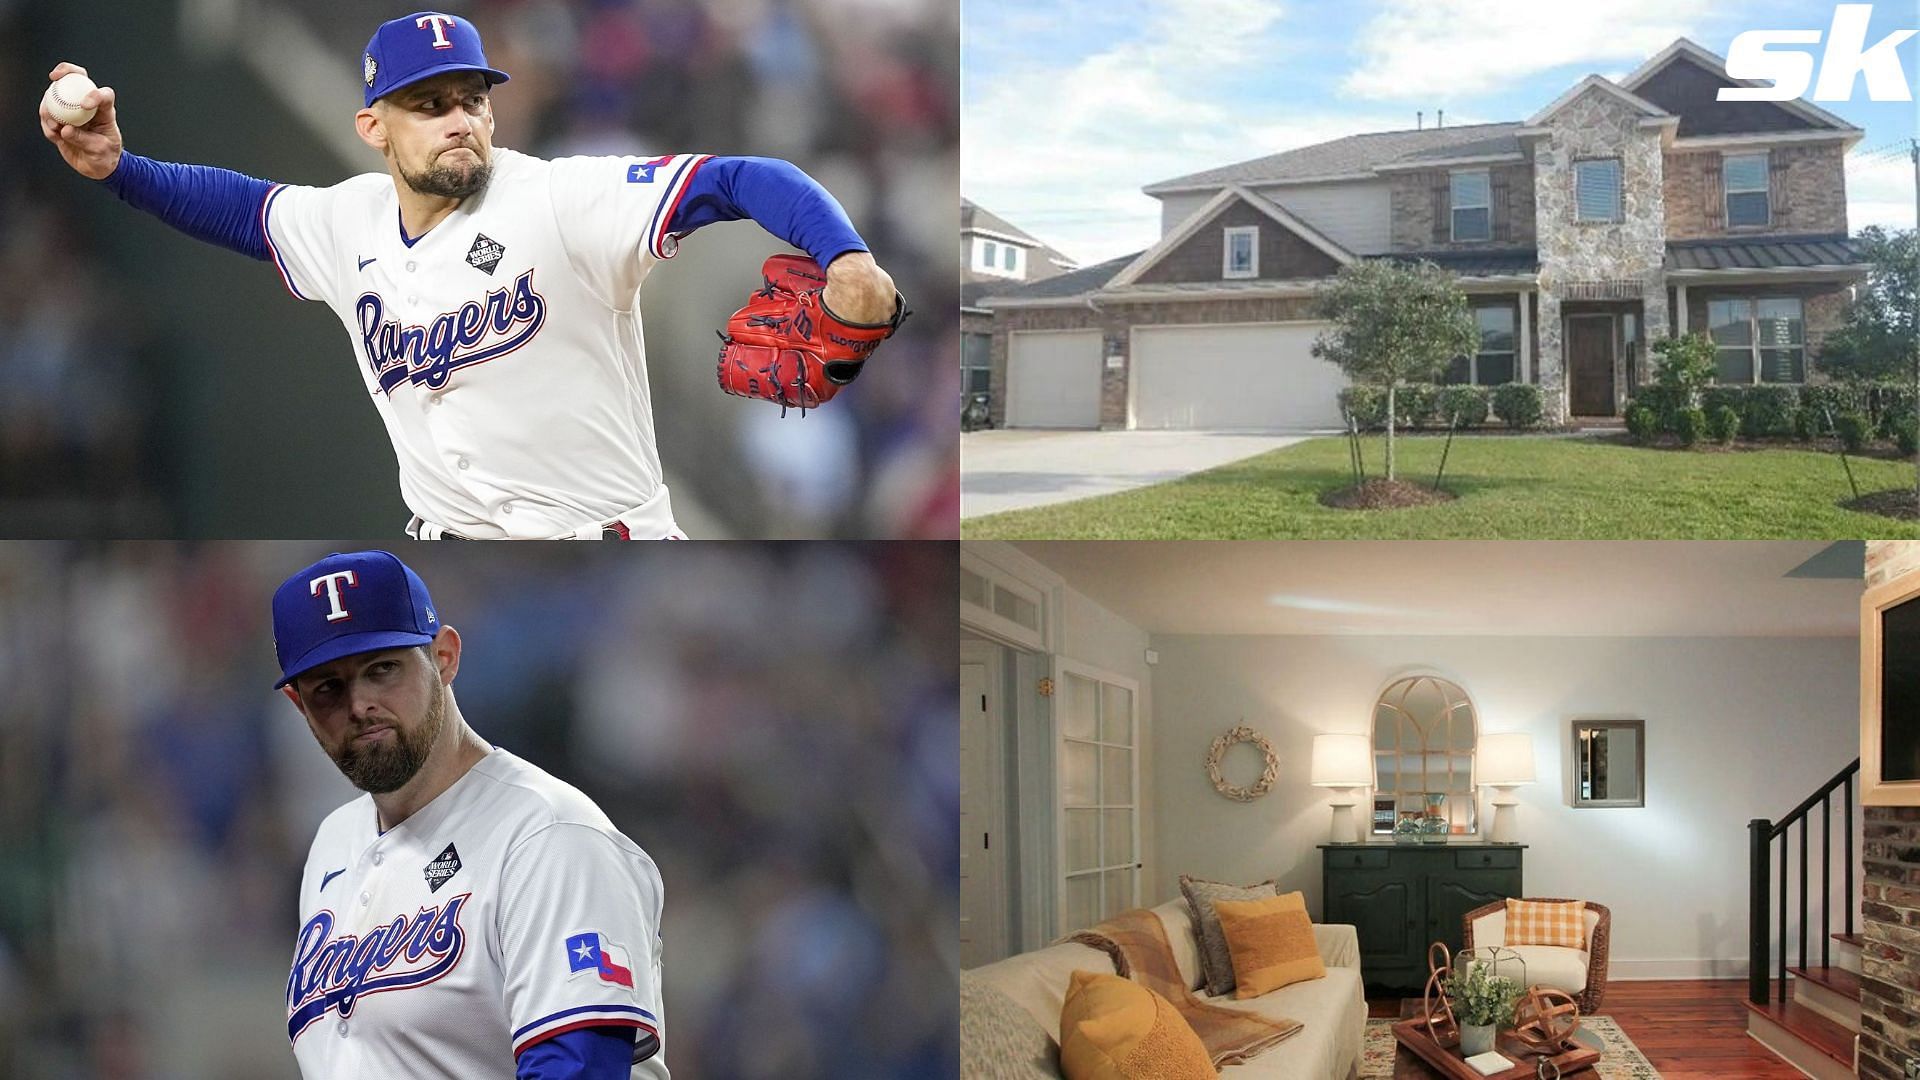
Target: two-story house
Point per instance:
(1616, 215)
(994, 256)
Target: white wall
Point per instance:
(1737, 728)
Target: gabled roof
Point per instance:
(974, 217)
(1646, 109)
(1683, 49)
(1231, 193)
(1354, 156)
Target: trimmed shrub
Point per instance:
(1367, 405)
(1808, 423)
(1642, 423)
(1722, 424)
(1767, 411)
(1836, 398)
(1469, 402)
(1906, 435)
(1689, 424)
(1724, 397)
(1417, 403)
(1665, 402)
(1518, 404)
(1853, 430)
(1887, 402)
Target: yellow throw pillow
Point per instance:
(1271, 942)
(1533, 922)
(1113, 1029)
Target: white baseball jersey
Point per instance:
(503, 347)
(504, 912)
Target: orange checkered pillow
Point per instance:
(1532, 922)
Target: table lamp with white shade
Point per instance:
(1343, 763)
(1506, 762)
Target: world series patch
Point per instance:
(444, 866)
(485, 254)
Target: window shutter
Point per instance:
(1715, 192)
(1777, 186)
(1498, 198)
(1442, 209)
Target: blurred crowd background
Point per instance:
(772, 723)
(154, 386)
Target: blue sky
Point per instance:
(1069, 107)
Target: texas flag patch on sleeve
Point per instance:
(593, 952)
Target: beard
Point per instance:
(379, 768)
(450, 181)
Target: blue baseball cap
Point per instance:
(420, 46)
(347, 604)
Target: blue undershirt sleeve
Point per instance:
(775, 195)
(219, 206)
(591, 1053)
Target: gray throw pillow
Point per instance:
(999, 1040)
(1216, 966)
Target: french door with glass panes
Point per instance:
(1098, 773)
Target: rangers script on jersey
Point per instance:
(503, 347)
(504, 912)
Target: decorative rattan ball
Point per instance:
(1545, 1019)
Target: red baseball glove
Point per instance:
(785, 346)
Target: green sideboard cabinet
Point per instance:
(1403, 897)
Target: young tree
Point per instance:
(1395, 323)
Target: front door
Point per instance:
(1590, 365)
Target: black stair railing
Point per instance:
(1761, 834)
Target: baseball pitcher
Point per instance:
(492, 297)
(470, 916)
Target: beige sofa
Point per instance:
(1332, 1011)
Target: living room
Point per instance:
(1654, 715)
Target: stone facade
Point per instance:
(1627, 256)
(1890, 896)
(1115, 320)
(1807, 184)
(1420, 199)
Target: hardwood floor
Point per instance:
(1689, 1030)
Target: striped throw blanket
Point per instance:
(1137, 941)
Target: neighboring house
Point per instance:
(1616, 215)
(995, 256)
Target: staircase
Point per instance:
(1812, 1021)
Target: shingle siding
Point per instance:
(1283, 254)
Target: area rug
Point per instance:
(1621, 1060)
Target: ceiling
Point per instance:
(1692, 588)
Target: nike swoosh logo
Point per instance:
(329, 877)
(364, 262)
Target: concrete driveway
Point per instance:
(1013, 470)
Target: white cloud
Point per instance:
(1880, 192)
(1441, 50)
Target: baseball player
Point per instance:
(470, 916)
(491, 296)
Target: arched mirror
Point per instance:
(1424, 732)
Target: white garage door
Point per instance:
(1053, 379)
(1250, 378)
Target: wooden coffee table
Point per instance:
(1409, 1065)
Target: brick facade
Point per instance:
(1420, 198)
(1890, 896)
(1284, 256)
(1807, 184)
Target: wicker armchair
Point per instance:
(1597, 940)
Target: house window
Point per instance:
(999, 259)
(976, 362)
(1472, 205)
(1242, 258)
(1008, 256)
(1596, 190)
(1746, 183)
(1759, 340)
(1494, 364)
(988, 249)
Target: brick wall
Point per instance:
(1890, 896)
(1808, 184)
(1415, 201)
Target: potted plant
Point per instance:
(1482, 1004)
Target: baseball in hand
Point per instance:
(64, 97)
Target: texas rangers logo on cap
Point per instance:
(420, 46)
(347, 604)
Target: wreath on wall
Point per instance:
(1218, 751)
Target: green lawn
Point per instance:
(1508, 488)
